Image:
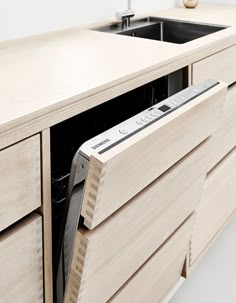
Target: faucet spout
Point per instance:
(127, 15)
(129, 4)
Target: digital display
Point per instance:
(164, 108)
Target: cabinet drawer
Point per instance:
(21, 265)
(106, 257)
(222, 142)
(216, 205)
(19, 180)
(142, 158)
(221, 66)
(160, 273)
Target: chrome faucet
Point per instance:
(126, 15)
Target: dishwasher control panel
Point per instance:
(126, 129)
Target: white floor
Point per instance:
(214, 279)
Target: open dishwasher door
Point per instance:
(110, 169)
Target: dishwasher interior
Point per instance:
(68, 136)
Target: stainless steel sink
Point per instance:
(174, 31)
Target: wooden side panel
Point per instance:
(229, 110)
(217, 204)
(210, 244)
(120, 173)
(47, 215)
(221, 66)
(21, 266)
(224, 139)
(222, 142)
(160, 273)
(106, 257)
(20, 180)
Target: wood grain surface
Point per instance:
(216, 206)
(50, 75)
(20, 180)
(106, 257)
(117, 175)
(221, 66)
(155, 279)
(21, 266)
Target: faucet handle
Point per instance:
(129, 13)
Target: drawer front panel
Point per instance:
(145, 156)
(160, 273)
(221, 66)
(106, 257)
(222, 142)
(217, 204)
(19, 180)
(21, 264)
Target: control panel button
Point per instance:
(149, 117)
(159, 113)
(123, 131)
(139, 122)
(173, 103)
(144, 120)
(178, 100)
(154, 114)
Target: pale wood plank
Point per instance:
(221, 66)
(147, 155)
(21, 266)
(61, 97)
(224, 139)
(229, 110)
(20, 180)
(160, 273)
(47, 215)
(216, 205)
(106, 257)
(210, 244)
(222, 142)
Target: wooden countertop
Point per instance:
(49, 78)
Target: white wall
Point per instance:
(220, 1)
(20, 18)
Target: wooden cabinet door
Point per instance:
(118, 174)
(216, 206)
(221, 66)
(20, 180)
(21, 262)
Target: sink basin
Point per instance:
(173, 31)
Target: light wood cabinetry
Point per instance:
(229, 110)
(135, 234)
(106, 257)
(20, 180)
(46, 212)
(222, 142)
(160, 273)
(21, 262)
(217, 204)
(224, 139)
(220, 66)
(147, 155)
(219, 198)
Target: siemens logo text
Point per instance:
(100, 144)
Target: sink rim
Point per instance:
(116, 27)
